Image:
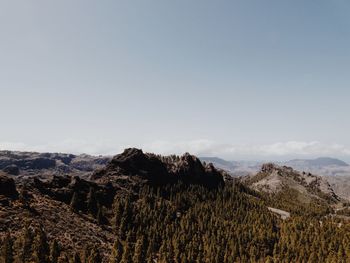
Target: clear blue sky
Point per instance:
(238, 79)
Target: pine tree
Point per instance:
(6, 255)
(100, 215)
(76, 258)
(24, 245)
(122, 229)
(54, 252)
(149, 252)
(118, 214)
(92, 204)
(41, 250)
(139, 256)
(126, 257)
(86, 254)
(74, 204)
(95, 256)
(117, 252)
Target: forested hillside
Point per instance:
(148, 208)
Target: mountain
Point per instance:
(336, 171)
(234, 168)
(220, 163)
(142, 207)
(276, 179)
(32, 163)
(133, 166)
(322, 166)
(321, 162)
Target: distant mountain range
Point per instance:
(221, 163)
(337, 172)
(322, 166)
(317, 163)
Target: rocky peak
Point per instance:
(158, 170)
(273, 179)
(189, 165)
(268, 167)
(134, 162)
(129, 158)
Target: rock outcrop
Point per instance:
(134, 165)
(7, 187)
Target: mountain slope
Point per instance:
(276, 179)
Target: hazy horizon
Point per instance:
(248, 157)
(234, 79)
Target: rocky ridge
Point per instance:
(274, 179)
(134, 166)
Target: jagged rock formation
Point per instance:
(274, 179)
(133, 166)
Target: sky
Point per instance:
(234, 79)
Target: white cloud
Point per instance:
(198, 147)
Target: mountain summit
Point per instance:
(278, 179)
(134, 166)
